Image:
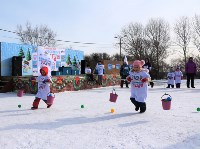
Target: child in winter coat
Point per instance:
(170, 78)
(178, 77)
(138, 79)
(43, 88)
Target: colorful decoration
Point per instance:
(114, 76)
(198, 109)
(64, 83)
(77, 80)
(112, 110)
(19, 106)
(104, 77)
(33, 81)
(59, 80)
(82, 106)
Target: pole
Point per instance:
(120, 48)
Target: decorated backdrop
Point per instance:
(8, 50)
(34, 57)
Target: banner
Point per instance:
(50, 57)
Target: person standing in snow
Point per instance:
(190, 70)
(170, 78)
(147, 65)
(178, 77)
(138, 79)
(44, 82)
(100, 72)
(89, 73)
(124, 72)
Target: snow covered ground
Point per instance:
(68, 126)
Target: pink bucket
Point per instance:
(20, 93)
(113, 97)
(166, 105)
(50, 100)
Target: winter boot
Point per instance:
(35, 103)
(152, 84)
(48, 106)
(136, 103)
(34, 108)
(142, 107)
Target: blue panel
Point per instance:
(8, 50)
(75, 72)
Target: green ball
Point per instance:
(198, 109)
(82, 106)
(19, 106)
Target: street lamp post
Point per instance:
(120, 46)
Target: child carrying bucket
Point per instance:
(44, 82)
(138, 79)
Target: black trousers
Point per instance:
(100, 79)
(123, 77)
(190, 77)
(90, 77)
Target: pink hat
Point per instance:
(139, 63)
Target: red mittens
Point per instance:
(129, 79)
(144, 80)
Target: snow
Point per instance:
(68, 126)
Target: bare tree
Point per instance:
(183, 34)
(157, 31)
(133, 41)
(196, 29)
(38, 36)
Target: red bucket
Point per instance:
(166, 105)
(113, 97)
(50, 100)
(20, 93)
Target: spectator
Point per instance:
(178, 77)
(124, 72)
(170, 78)
(147, 65)
(88, 73)
(190, 70)
(100, 72)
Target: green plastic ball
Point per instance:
(198, 109)
(82, 106)
(19, 106)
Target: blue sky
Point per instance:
(97, 21)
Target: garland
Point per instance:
(77, 83)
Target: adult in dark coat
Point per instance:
(124, 72)
(147, 65)
(190, 70)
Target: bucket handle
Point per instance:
(166, 94)
(113, 90)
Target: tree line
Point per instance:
(138, 41)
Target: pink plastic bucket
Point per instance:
(20, 93)
(166, 105)
(113, 97)
(50, 99)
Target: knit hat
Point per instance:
(125, 60)
(138, 63)
(45, 69)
